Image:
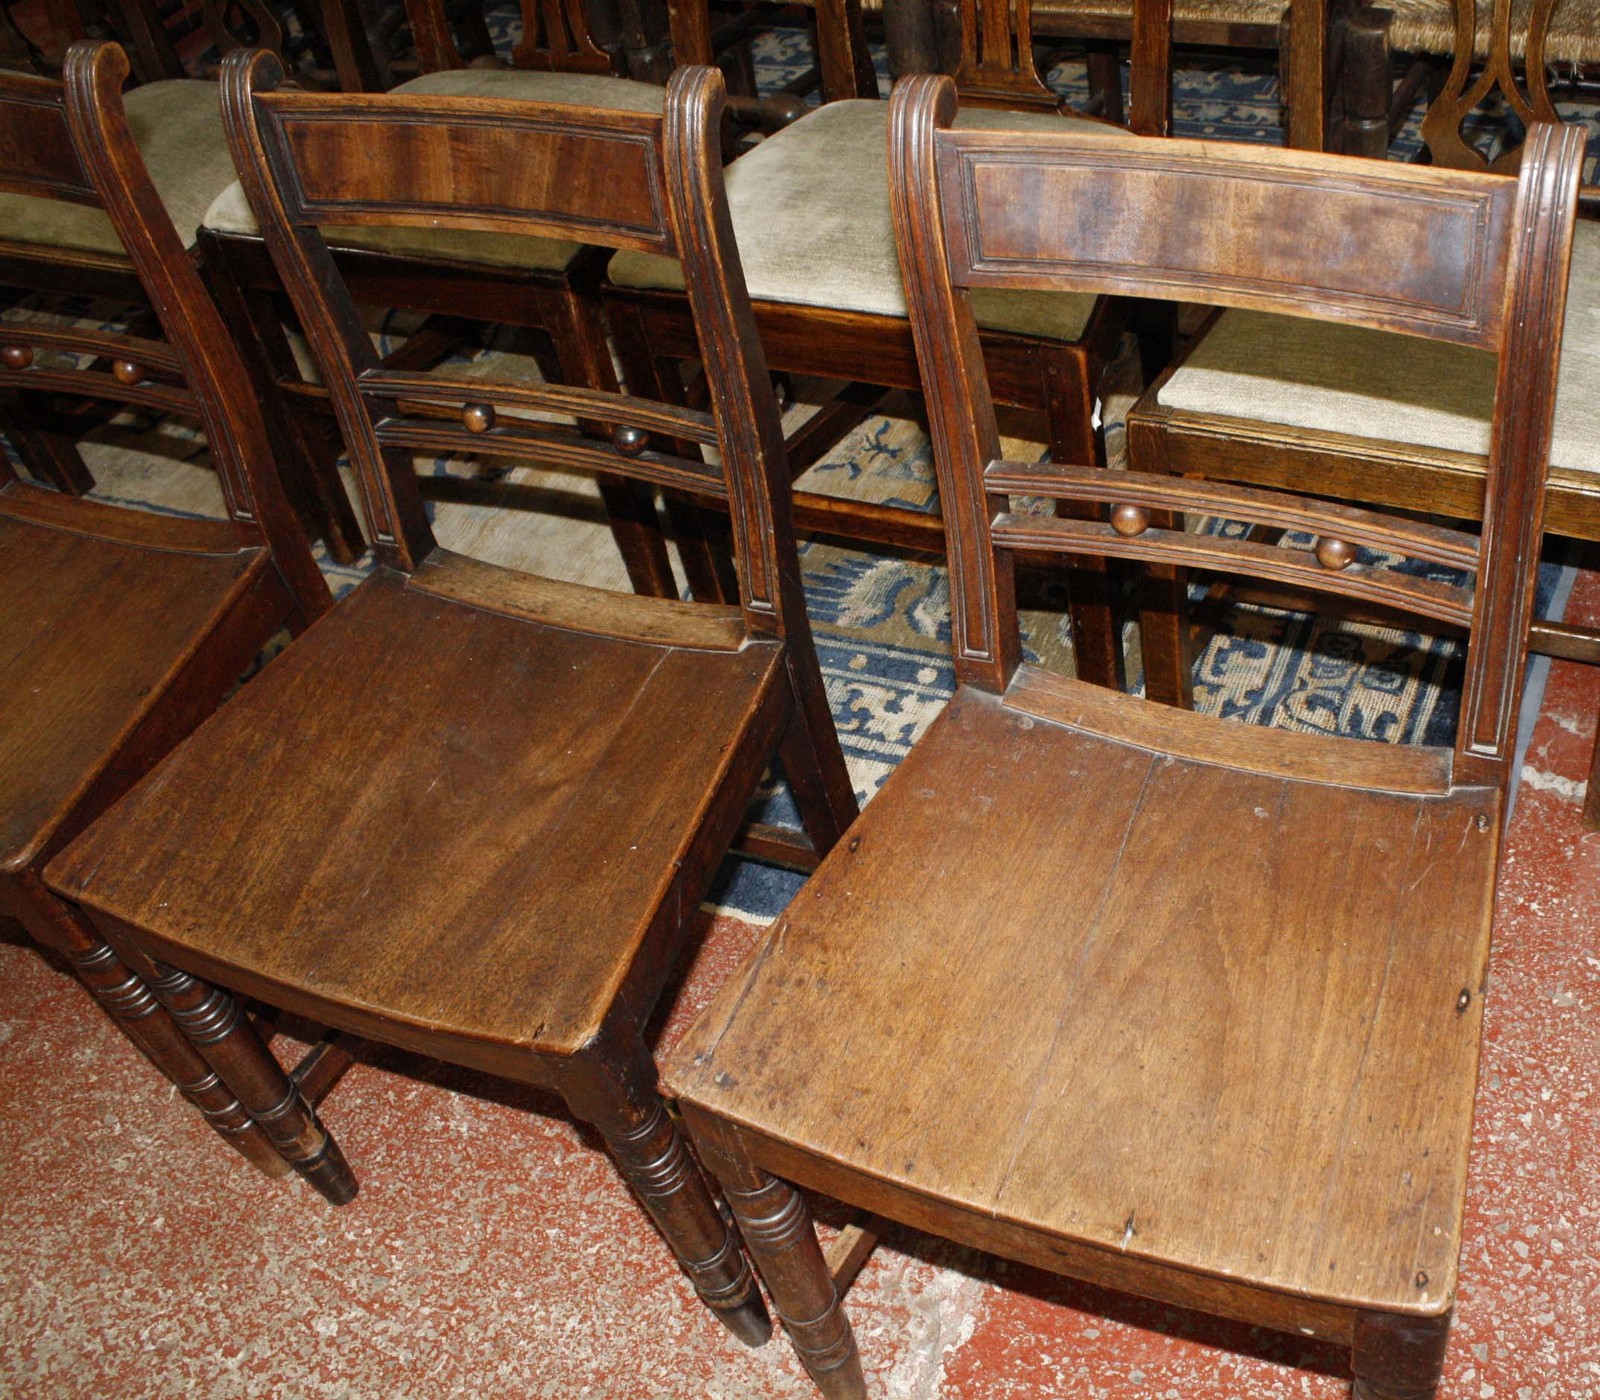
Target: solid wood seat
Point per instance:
(1216, 1002)
(1177, 1006)
(545, 870)
(143, 598)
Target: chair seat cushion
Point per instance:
(1163, 1006)
(811, 215)
(1429, 26)
(91, 631)
(177, 125)
(1373, 384)
(230, 213)
(445, 820)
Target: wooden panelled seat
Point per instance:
(1234, 1069)
(120, 629)
(1393, 392)
(474, 812)
(177, 126)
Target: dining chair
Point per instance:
(464, 274)
(1360, 414)
(121, 629)
(473, 812)
(1178, 1006)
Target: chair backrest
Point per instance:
(1469, 258)
(70, 141)
(998, 68)
(618, 179)
(556, 37)
(1515, 42)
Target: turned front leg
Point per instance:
(218, 1029)
(778, 1231)
(620, 1099)
(134, 1008)
(1398, 1358)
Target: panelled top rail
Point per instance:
(483, 164)
(36, 152)
(1390, 246)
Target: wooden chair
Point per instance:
(1362, 415)
(811, 212)
(464, 273)
(473, 813)
(1233, 1069)
(120, 630)
(52, 248)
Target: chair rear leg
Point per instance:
(618, 1096)
(1398, 1358)
(778, 1231)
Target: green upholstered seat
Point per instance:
(231, 212)
(177, 125)
(1347, 379)
(810, 211)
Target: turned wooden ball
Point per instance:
(127, 371)
(478, 417)
(16, 356)
(1335, 554)
(1130, 520)
(630, 442)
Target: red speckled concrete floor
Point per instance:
(494, 1252)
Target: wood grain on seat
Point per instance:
(479, 861)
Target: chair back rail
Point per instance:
(71, 141)
(556, 37)
(613, 178)
(1447, 255)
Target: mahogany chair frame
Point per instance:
(1177, 220)
(1061, 379)
(1357, 468)
(563, 305)
(620, 179)
(85, 724)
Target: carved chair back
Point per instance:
(1455, 256)
(70, 141)
(998, 67)
(556, 37)
(613, 178)
(1513, 63)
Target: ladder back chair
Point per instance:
(1363, 415)
(811, 212)
(465, 274)
(1236, 1071)
(120, 629)
(472, 814)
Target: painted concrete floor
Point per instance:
(493, 1251)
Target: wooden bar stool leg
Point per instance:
(218, 1029)
(1398, 1358)
(133, 1007)
(778, 1232)
(623, 1104)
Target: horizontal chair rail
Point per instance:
(1300, 568)
(1415, 539)
(150, 354)
(552, 446)
(169, 398)
(575, 402)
